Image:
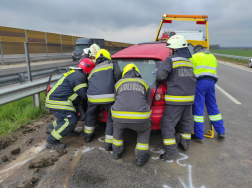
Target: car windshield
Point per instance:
(81, 47)
(145, 66)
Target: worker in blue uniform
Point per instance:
(205, 70)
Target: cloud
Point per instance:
(129, 21)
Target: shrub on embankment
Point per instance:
(14, 115)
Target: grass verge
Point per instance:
(242, 62)
(14, 115)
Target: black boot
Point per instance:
(141, 162)
(48, 131)
(194, 138)
(184, 142)
(221, 135)
(89, 139)
(108, 148)
(169, 156)
(55, 145)
(116, 156)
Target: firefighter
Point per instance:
(177, 70)
(205, 69)
(100, 93)
(132, 110)
(90, 52)
(63, 98)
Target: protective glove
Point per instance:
(154, 72)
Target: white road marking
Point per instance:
(227, 94)
(235, 66)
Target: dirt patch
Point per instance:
(28, 142)
(4, 158)
(44, 162)
(15, 151)
(29, 183)
(62, 152)
(5, 142)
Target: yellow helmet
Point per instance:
(128, 68)
(104, 53)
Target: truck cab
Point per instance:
(83, 43)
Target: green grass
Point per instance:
(14, 115)
(233, 60)
(236, 52)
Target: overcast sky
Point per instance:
(131, 21)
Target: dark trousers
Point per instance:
(143, 135)
(66, 122)
(173, 115)
(91, 116)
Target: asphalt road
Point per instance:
(215, 163)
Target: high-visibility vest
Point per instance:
(204, 64)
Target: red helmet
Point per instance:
(86, 64)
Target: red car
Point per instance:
(147, 57)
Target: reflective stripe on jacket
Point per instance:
(132, 100)
(65, 93)
(101, 82)
(204, 64)
(180, 80)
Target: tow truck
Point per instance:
(149, 56)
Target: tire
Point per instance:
(250, 64)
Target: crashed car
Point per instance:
(147, 57)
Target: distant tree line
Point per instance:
(214, 46)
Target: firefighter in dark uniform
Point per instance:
(62, 99)
(132, 110)
(90, 52)
(100, 93)
(177, 70)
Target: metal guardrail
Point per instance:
(23, 76)
(32, 88)
(17, 58)
(232, 56)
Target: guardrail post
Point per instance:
(21, 78)
(1, 52)
(28, 61)
(61, 45)
(46, 44)
(36, 100)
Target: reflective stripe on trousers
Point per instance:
(198, 118)
(142, 146)
(130, 115)
(215, 117)
(169, 141)
(109, 139)
(55, 123)
(89, 130)
(186, 136)
(174, 98)
(101, 98)
(56, 134)
(117, 142)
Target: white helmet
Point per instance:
(94, 48)
(85, 50)
(177, 41)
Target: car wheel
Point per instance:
(250, 64)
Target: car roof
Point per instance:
(152, 50)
